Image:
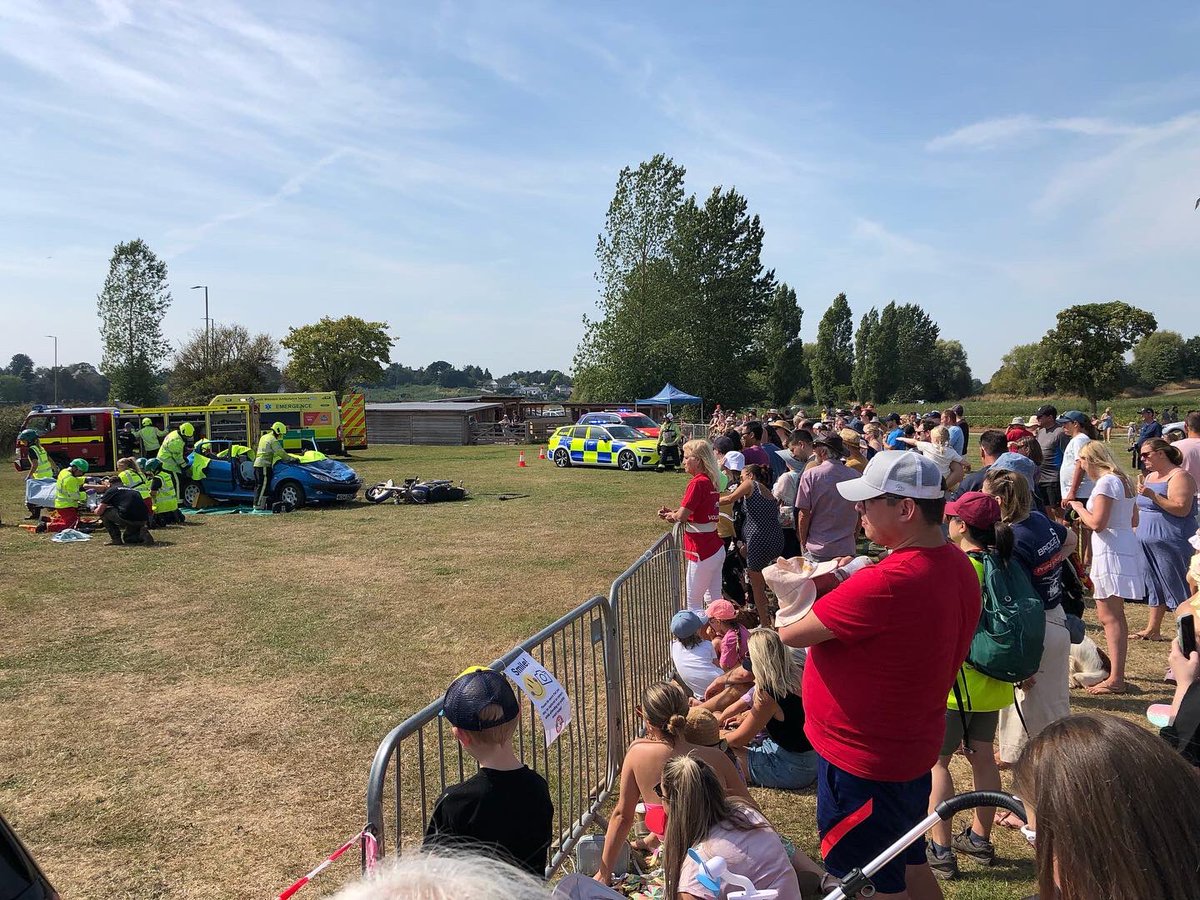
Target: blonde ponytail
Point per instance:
(663, 704)
(698, 803)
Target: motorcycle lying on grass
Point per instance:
(413, 490)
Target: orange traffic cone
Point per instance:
(541, 453)
(521, 460)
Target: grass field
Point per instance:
(197, 719)
(998, 411)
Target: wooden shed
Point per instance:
(428, 423)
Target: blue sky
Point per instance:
(446, 166)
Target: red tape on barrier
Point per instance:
(328, 861)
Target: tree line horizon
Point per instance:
(684, 298)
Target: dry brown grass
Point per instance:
(197, 719)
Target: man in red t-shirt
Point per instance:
(885, 647)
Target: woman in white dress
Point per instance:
(1111, 514)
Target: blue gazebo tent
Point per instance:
(671, 395)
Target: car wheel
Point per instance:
(377, 493)
(627, 461)
(291, 492)
(191, 495)
(562, 458)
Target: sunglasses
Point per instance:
(890, 498)
(658, 791)
(1147, 454)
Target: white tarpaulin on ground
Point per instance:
(40, 492)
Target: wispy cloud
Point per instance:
(991, 133)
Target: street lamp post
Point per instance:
(55, 339)
(207, 338)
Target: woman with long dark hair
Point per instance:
(1113, 812)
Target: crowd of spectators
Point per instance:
(848, 667)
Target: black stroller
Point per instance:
(858, 882)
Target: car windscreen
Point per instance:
(639, 421)
(625, 433)
(40, 424)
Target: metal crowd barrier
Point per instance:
(604, 653)
(420, 758)
(643, 599)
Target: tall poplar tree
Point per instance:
(635, 274)
(131, 305)
(833, 364)
(866, 381)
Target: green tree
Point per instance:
(1159, 358)
(951, 373)
(20, 366)
(1018, 373)
(783, 351)
(336, 354)
(723, 295)
(229, 360)
(637, 305)
(1190, 363)
(904, 343)
(833, 363)
(13, 389)
(867, 361)
(131, 305)
(1085, 351)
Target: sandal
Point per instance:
(1005, 819)
(1101, 689)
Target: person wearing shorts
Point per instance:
(885, 646)
(973, 705)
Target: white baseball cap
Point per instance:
(900, 472)
(734, 461)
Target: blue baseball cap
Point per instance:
(686, 623)
(1016, 462)
(1074, 415)
(474, 691)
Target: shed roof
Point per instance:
(450, 408)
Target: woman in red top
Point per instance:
(1016, 431)
(702, 546)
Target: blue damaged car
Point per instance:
(232, 480)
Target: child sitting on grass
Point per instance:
(732, 639)
(504, 810)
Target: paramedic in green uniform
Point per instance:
(270, 451)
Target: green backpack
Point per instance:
(1012, 625)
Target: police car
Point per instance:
(642, 423)
(603, 445)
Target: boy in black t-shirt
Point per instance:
(505, 810)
